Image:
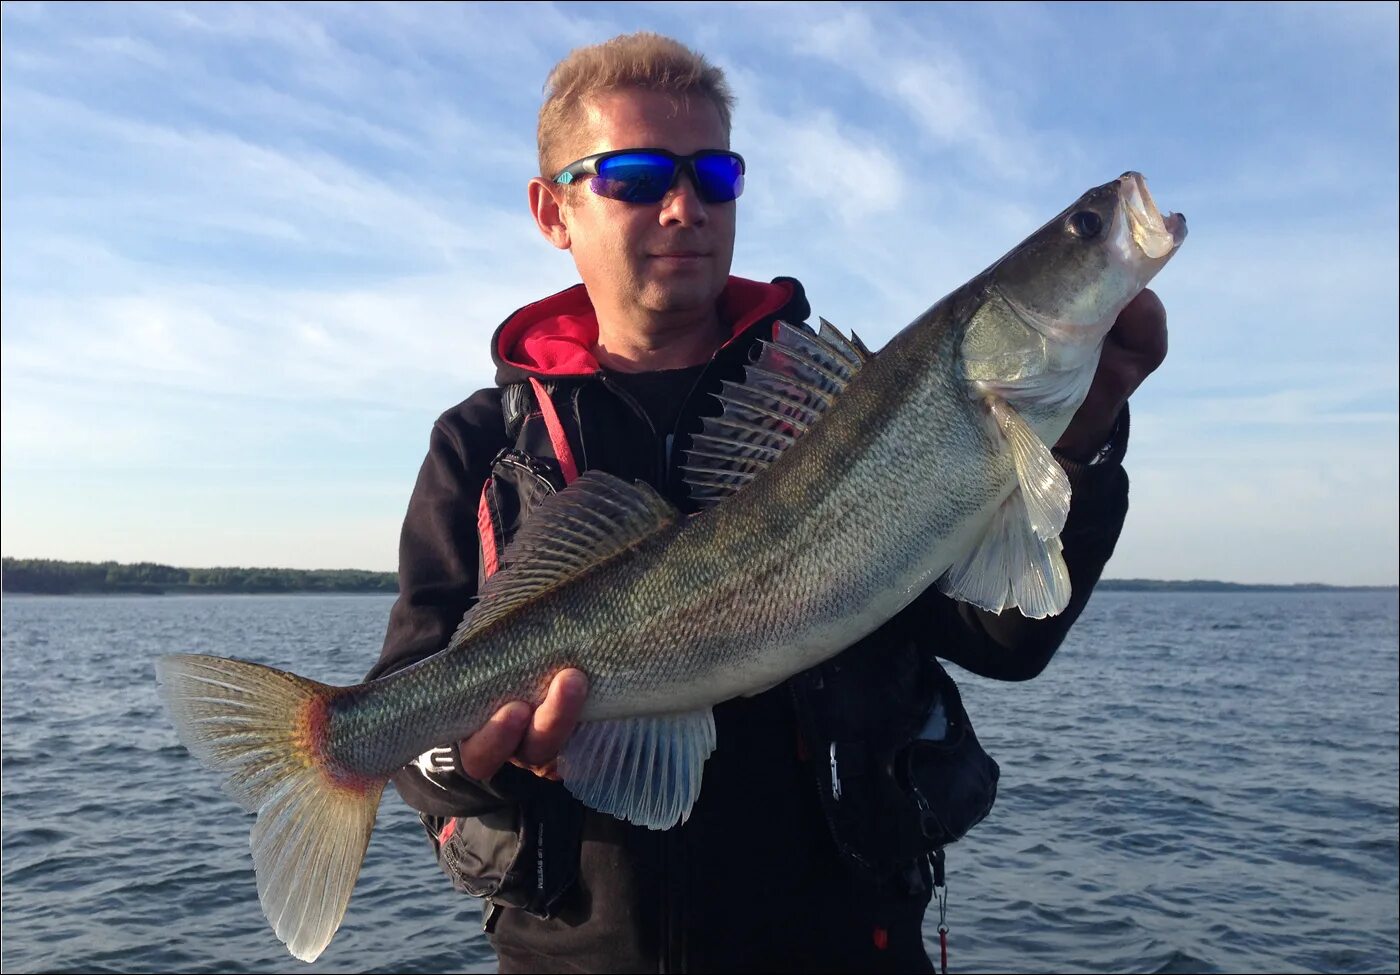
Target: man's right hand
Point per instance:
(526, 736)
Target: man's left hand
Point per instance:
(1135, 346)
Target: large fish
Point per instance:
(838, 485)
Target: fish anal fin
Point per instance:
(646, 770)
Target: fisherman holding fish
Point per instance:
(771, 872)
(674, 592)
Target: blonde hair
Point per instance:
(641, 60)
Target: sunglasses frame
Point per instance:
(588, 166)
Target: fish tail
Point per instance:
(265, 732)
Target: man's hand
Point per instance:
(525, 736)
(1135, 346)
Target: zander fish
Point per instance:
(837, 486)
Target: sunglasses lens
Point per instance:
(635, 177)
(721, 177)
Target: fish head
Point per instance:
(1069, 280)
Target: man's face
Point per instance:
(672, 256)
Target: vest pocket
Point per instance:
(951, 779)
(524, 855)
(900, 772)
(479, 852)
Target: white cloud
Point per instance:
(934, 83)
(819, 167)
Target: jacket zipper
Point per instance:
(658, 456)
(680, 416)
(678, 961)
(668, 959)
(665, 470)
(671, 953)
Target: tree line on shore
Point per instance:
(55, 577)
(50, 576)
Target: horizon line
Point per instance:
(1101, 581)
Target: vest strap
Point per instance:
(557, 438)
(486, 532)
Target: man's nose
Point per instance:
(682, 204)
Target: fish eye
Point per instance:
(1085, 224)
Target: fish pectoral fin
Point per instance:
(1012, 566)
(1045, 488)
(645, 770)
(1017, 562)
(796, 378)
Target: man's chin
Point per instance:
(682, 296)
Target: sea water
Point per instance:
(1198, 782)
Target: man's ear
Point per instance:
(546, 205)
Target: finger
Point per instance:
(1142, 328)
(495, 741)
(549, 771)
(554, 720)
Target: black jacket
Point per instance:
(773, 871)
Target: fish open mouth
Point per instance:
(1157, 234)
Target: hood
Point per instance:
(554, 337)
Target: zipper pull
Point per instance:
(940, 892)
(835, 775)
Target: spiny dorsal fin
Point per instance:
(796, 377)
(590, 521)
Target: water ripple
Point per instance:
(1196, 784)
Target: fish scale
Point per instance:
(838, 486)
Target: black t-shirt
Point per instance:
(660, 394)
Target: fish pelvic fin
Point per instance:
(1011, 567)
(264, 731)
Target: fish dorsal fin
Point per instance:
(787, 389)
(592, 520)
(1017, 561)
(645, 770)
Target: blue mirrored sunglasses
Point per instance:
(647, 175)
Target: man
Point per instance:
(795, 856)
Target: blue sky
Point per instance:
(251, 251)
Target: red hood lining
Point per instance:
(555, 336)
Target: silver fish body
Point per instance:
(842, 532)
(840, 485)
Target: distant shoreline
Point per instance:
(53, 577)
(58, 578)
(1212, 585)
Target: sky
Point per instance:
(250, 252)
